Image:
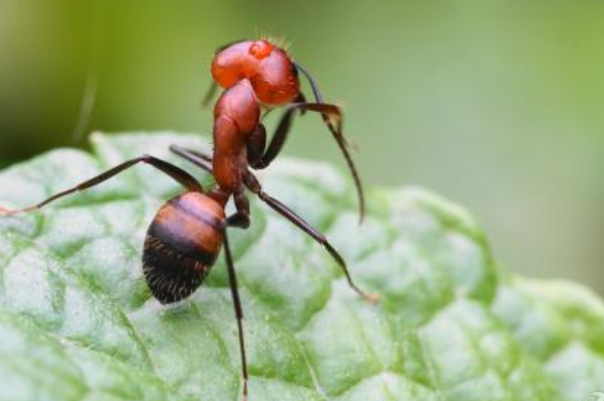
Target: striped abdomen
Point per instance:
(181, 246)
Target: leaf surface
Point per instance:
(78, 323)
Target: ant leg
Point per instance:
(279, 137)
(254, 186)
(332, 116)
(179, 175)
(241, 218)
(256, 143)
(238, 310)
(202, 160)
(242, 204)
(199, 159)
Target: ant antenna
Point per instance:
(89, 95)
(336, 132)
(311, 81)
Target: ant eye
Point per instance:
(261, 49)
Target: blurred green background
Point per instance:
(494, 104)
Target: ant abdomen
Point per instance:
(182, 245)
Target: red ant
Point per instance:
(188, 231)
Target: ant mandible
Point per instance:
(187, 233)
(255, 75)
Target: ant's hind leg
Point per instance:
(179, 175)
(238, 310)
(253, 185)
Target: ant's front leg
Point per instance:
(256, 144)
(239, 220)
(278, 139)
(332, 117)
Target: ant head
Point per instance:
(269, 69)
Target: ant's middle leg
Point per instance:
(241, 218)
(279, 137)
(179, 175)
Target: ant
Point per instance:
(188, 232)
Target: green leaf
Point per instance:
(78, 323)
